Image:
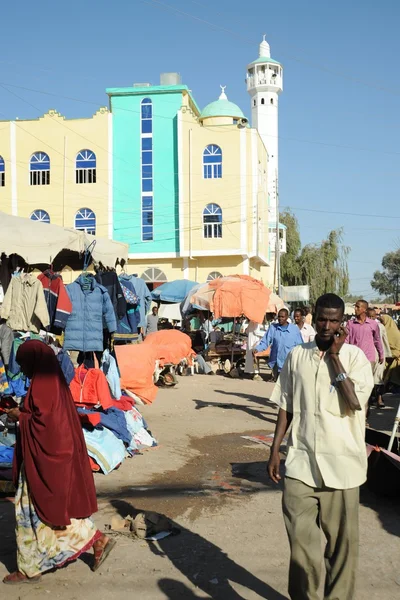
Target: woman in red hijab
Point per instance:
(56, 494)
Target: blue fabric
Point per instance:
(281, 339)
(142, 291)
(66, 365)
(18, 383)
(92, 310)
(131, 321)
(105, 449)
(8, 440)
(112, 419)
(110, 370)
(173, 291)
(6, 455)
(134, 422)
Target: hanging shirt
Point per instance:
(281, 338)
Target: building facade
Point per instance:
(190, 190)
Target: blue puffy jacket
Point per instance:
(92, 311)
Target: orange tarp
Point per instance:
(170, 346)
(234, 296)
(136, 364)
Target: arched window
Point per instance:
(147, 169)
(214, 275)
(262, 101)
(212, 221)
(154, 277)
(85, 167)
(85, 220)
(212, 162)
(2, 172)
(40, 215)
(39, 167)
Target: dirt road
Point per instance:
(213, 484)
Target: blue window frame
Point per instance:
(39, 167)
(85, 167)
(146, 128)
(212, 221)
(2, 172)
(212, 162)
(40, 215)
(85, 220)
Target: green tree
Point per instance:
(289, 261)
(387, 281)
(324, 266)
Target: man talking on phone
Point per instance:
(322, 392)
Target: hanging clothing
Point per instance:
(5, 389)
(66, 365)
(41, 548)
(128, 325)
(104, 448)
(110, 281)
(89, 388)
(58, 302)
(142, 291)
(24, 305)
(92, 310)
(51, 447)
(110, 370)
(6, 342)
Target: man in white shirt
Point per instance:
(306, 330)
(322, 392)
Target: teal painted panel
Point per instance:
(126, 111)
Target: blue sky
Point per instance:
(339, 122)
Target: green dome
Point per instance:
(265, 59)
(222, 108)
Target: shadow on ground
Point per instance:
(201, 562)
(259, 414)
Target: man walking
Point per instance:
(152, 321)
(307, 331)
(323, 391)
(364, 333)
(281, 337)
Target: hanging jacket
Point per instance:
(89, 388)
(92, 310)
(128, 325)
(110, 370)
(142, 291)
(57, 300)
(6, 342)
(110, 281)
(24, 306)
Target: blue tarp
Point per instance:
(173, 291)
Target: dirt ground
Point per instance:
(213, 484)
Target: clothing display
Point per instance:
(143, 293)
(129, 323)
(6, 342)
(89, 388)
(51, 447)
(24, 306)
(110, 281)
(104, 448)
(5, 389)
(58, 302)
(112, 419)
(92, 310)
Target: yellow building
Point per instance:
(57, 170)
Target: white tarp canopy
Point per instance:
(38, 242)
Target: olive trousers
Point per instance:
(307, 513)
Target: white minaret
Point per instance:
(264, 84)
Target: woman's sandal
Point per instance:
(101, 551)
(18, 578)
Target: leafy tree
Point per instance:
(387, 281)
(289, 262)
(324, 266)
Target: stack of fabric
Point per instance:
(113, 428)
